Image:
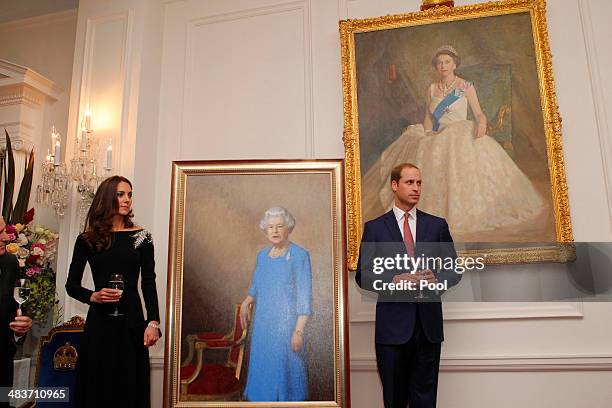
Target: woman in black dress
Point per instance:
(113, 364)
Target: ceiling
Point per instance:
(11, 10)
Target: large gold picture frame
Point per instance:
(217, 244)
(384, 54)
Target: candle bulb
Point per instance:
(109, 158)
(57, 155)
(83, 139)
(53, 135)
(88, 119)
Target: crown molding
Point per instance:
(12, 74)
(44, 19)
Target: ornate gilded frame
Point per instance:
(552, 121)
(182, 172)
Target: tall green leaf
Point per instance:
(9, 181)
(23, 198)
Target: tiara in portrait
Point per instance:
(448, 48)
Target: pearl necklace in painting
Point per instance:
(445, 89)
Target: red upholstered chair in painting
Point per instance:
(203, 381)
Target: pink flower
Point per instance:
(39, 245)
(10, 229)
(34, 270)
(11, 237)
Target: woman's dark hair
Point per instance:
(99, 221)
(455, 57)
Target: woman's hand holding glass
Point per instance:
(106, 295)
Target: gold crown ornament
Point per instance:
(427, 4)
(65, 358)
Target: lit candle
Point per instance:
(53, 135)
(88, 119)
(48, 156)
(109, 158)
(58, 153)
(83, 139)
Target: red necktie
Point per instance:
(408, 239)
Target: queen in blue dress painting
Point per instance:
(281, 293)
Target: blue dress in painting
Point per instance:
(282, 289)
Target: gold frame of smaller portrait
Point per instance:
(438, 12)
(184, 359)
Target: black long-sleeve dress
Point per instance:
(113, 366)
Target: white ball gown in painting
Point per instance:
(472, 182)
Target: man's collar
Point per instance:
(399, 213)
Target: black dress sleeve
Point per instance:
(75, 273)
(147, 283)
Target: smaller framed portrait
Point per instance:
(257, 285)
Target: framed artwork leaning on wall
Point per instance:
(257, 285)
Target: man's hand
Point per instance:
(21, 325)
(416, 277)
(427, 275)
(409, 277)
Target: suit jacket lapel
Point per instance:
(391, 223)
(421, 229)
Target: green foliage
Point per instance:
(9, 179)
(23, 198)
(42, 295)
(7, 173)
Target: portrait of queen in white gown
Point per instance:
(468, 178)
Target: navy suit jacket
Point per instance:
(395, 319)
(9, 269)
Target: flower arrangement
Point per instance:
(35, 248)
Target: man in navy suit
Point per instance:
(408, 333)
(13, 326)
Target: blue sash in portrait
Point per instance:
(443, 105)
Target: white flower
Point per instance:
(39, 230)
(23, 253)
(38, 251)
(43, 241)
(21, 263)
(22, 239)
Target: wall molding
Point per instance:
(599, 99)
(71, 306)
(495, 311)
(21, 95)
(157, 362)
(45, 19)
(304, 6)
(519, 363)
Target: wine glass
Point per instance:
(21, 292)
(116, 282)
(421, 292)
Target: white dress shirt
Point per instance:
(412, 220)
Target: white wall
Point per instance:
(46, 45)
(232, 79)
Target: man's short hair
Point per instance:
(396, 172)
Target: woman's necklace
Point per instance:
(445, 89)
(277, 252)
